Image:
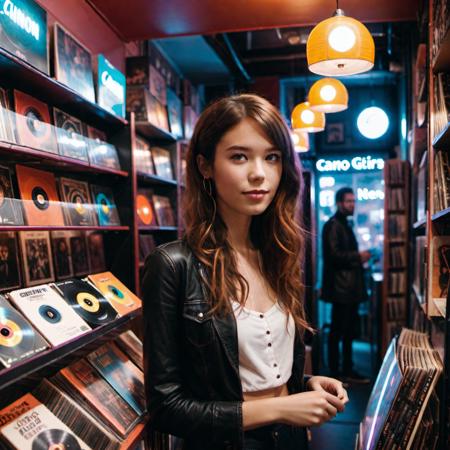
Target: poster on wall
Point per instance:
(23, 31)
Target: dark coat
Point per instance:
(343, 273)
(193, 386)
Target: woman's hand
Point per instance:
(330, 385)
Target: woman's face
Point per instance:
(246, 171)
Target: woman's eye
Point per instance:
(274, 157)
(238, 157)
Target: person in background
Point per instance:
(343, 285)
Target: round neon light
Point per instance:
(307, 116)
(328, 93)
(342, 38)
(373, 122)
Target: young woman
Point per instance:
(223, 312)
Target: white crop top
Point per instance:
(266, 347)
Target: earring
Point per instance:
(207, 186)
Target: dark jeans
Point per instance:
(276, 437)
(344, 320)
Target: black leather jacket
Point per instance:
(192, 366)
(343, 273)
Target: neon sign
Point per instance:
(358, 163)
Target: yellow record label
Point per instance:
(10, 333)
(88, 302)
(105, 209)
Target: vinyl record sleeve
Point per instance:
(79, 252)
(136, 102)
(162, 162)
(81, 379)
(120, 297)
(132, 346)
(73, 64)
(105, 205)
(69, 131)
(7, 122)
(49, 313)
(87, 302)
(157, 85)
(164, 211)
(101, 153)
(77, 207)
(144, 208)
(143, 157)
(96, 251)
(39, 196)
(35, 427)
(62, 254)
(33, 124)
(18, 339)
(156, 111)
(175, 113)
(10, 208)
(9, 261)
(117, 369)
(37, 257)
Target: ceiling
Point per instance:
(149, 19)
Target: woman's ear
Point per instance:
(204, 166)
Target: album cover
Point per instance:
(96, 251)
(132, 346)
(143, 157)
(105, 206)
(146, 246)
(69, 131)
(18, 339)
(10, 209)
(79, 251)
(190, 119)
(87, 302)
(7, 132)
(83, 424)
(439, 268)
(62, 255)
(175, 113)
(9, 261)
(49, 313)
(164, 211)
(156, 112)
(162, 162)
(33, 124)
(77, 207)
(28, 425)
(101, 153)
(83, 383)
(144, 208)
(73, 64)
(157, 85)
(120, 297)
(37, 257)
(137, 68)
(39, 196)
(23, 32)
(117, 369)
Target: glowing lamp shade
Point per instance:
(304, 119)
(372, 122)
(301, 141)
(328, 95)
(340, 46)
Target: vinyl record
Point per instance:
(40, 198)
(55, 439)
(50, 313)
(105, 206)
(35, 122)
(144, 209)
(79, 200)
(118, 295)
(70, 126)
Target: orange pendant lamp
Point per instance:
(301, 141)
(328, 95)
(303, 118)
(340, 46)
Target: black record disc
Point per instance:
(35, 122)
(40, 198)
(55, 439)
(49, 313)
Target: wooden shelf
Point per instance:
(22, 153)
(151, 131)
(62, 227)
(154, 179)
(20, 75)
(442, 140)
(420, 223)
(154, 228)
(441, 62)
(48, 362)
(441, 215)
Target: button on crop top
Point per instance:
(266, 347)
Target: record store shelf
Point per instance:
(54, 160)
(48, 362)
(442, 140)
(153, 179)
(61, 227)
(151, 131)
(155, 228)
(34, 82)
(441, 215)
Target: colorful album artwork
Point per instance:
(157, 85)
(33, 124)
(105, 205)
(190, 119)
(10, 208)
(132, 346)
(62, 255)
(79, 251)
(73, 64)
(40, 199)
(6, 118)
(77, 206)
(156, 112)
(9, 261)
(96, 248)
(144, 208)
(164, 211)
(143, 157)
(136, 103)
(69, 131)
(162, 162)
(101, 153)
(137, 68)
(175, 113)
(37, 257)
(23, 31)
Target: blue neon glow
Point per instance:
(373, 122)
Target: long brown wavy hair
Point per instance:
(277, 233)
